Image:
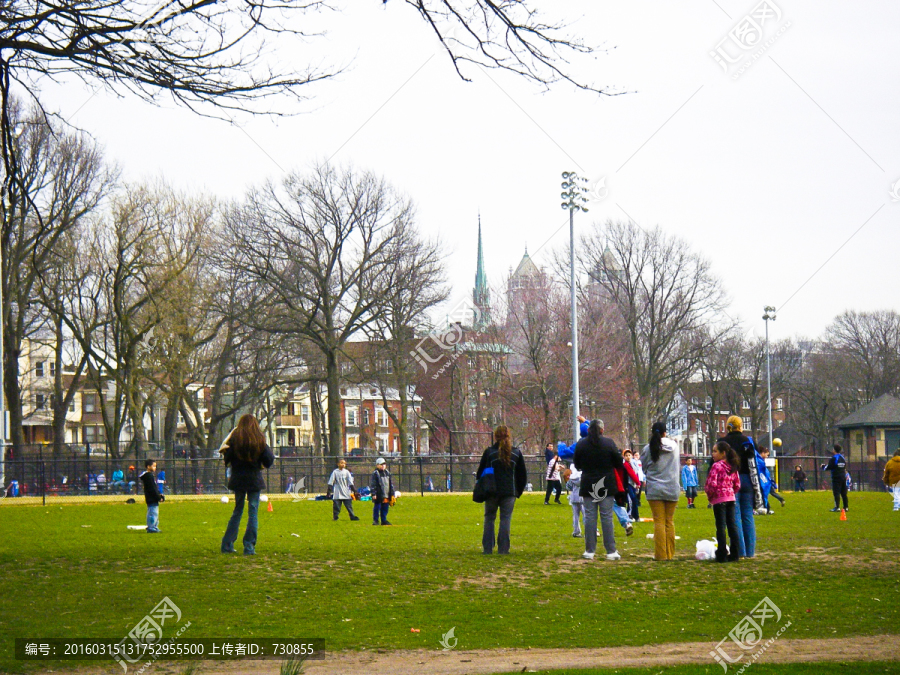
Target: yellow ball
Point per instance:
(777, 442)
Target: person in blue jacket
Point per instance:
(568, 452)
(689, 482)
(765, 483)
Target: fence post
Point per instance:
(421, 479)
(816, 470)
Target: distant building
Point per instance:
(481, 294)
(873, 431)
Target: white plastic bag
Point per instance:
(706, 549)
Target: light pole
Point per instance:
(573, 195)
(769, 316)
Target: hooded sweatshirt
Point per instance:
(663, 474)
(892, 471)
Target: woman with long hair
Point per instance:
(749, 498)
(598, 459)
(661, 461)
(510, 476)
(246, 453)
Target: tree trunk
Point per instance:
(13, 398)
(642, 421)
(335, 428)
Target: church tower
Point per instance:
(481, 295)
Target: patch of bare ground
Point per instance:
(484, 661)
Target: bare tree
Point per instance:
(871, 341)
(414, 283)
(61, 181)
(668, 300)
(319, 247)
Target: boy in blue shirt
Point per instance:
(689, 482)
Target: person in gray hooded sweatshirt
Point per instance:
(662, 465)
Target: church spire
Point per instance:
(481, 295)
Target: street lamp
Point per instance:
(574, 199)
(769, 316)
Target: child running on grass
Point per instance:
(722, 483)
(340, 485)
(152, 495)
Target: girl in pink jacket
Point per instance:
(722, 483)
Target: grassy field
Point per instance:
(76, 571)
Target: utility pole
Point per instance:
(769, 316)
(574, 190)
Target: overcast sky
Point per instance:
(768, 172)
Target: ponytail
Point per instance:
(656, 445)
(504, 444)
(731, 457)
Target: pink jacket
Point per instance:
(722, 483)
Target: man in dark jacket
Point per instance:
(837, 465)
(151, 495)
(510, 478)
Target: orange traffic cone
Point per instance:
(271, 509)
(843, 514)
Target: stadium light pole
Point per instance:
(574, 199)
(769, 315)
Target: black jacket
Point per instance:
(151, 489)
(375, 485)
(596, 463)
(837, 465)
(737, 440)
(247, 476)
(511, 479)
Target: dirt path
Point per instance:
(433, 662)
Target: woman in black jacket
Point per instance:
(246, 452)
(510, 476)
(749, 499)
(598, 458)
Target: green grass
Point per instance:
(359, 586)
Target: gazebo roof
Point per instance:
(884, 410)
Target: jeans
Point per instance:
(153, 518)
(606, 524)
(577, 512)
(505, 506)
(553, 486)
(622, 514)
(725, 521)
(839, 488)
(231, 532)
(743, 515)
(663, 529)
(635, 503)
(896, 491)
(798, 486)
(380, 510)
(336, 508)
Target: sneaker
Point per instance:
(355, 518)
(375, 523)
(613, 556)
(557, 502)
(546, 503)
(587, 556)
(770, 512)
(335, 518)
(835, 510)
(578, 536)
(387, 523)
(629, 530)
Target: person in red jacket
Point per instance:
(722, 483)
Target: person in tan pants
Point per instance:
(662, 466)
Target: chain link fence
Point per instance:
(80, 476)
